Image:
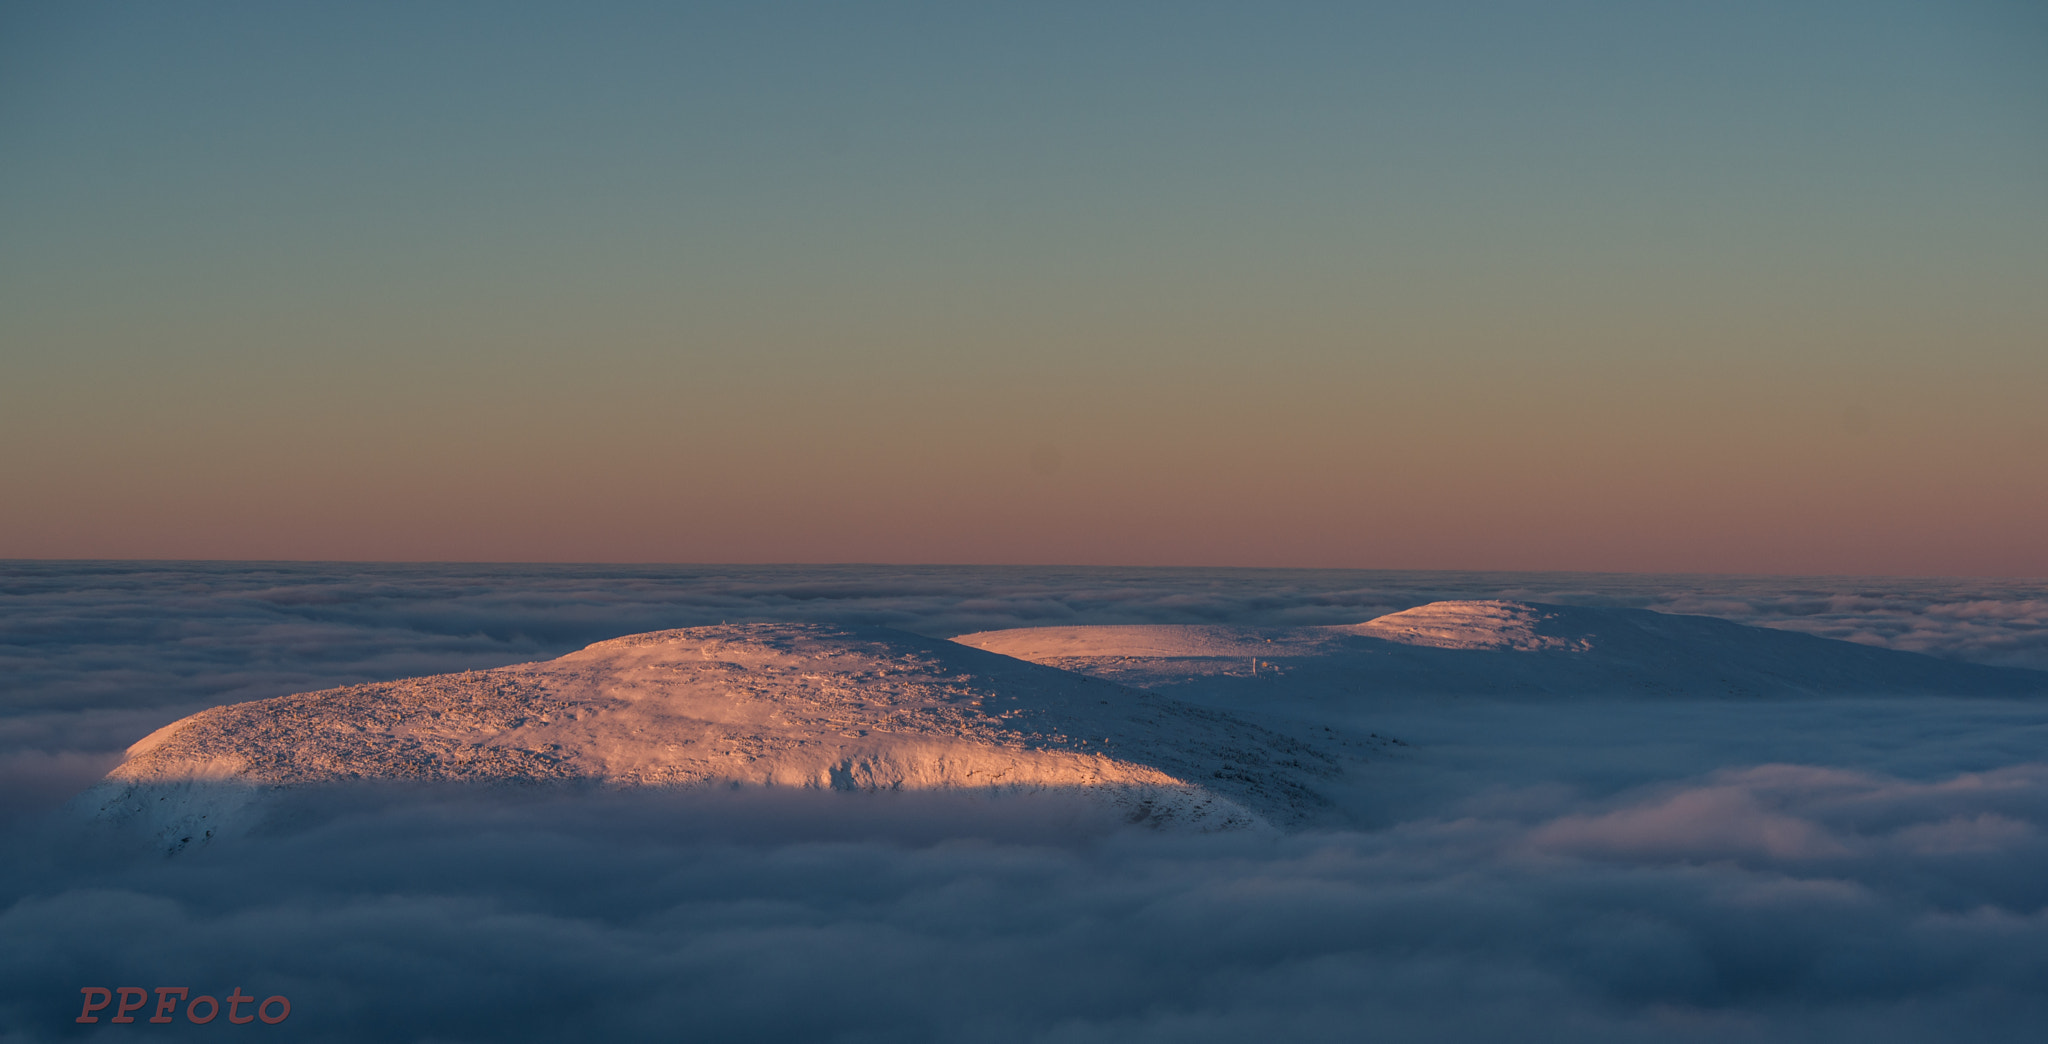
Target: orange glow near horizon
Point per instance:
(1349, 287)
(1516, 471)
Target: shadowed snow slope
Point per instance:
(1498, 648)
(777, 705)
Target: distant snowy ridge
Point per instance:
(1501, 649)
(1485, 625)
(761, 705)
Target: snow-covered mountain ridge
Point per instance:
(1140, 718)
(759, 705)
(1499, 649)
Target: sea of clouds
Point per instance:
(1848, 869)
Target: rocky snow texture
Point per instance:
(1498, 649)
(760, 705)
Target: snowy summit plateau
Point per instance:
(1501, 650)
(1146, 720)
(754, 705)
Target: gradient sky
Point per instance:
(1733, 287)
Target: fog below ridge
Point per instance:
(1842, 868)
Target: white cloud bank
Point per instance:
(1840, 869)
(1774, 902)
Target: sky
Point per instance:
(1737, 288)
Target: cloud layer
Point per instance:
(1827, 870)
(1776, 902)
(149, 634)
